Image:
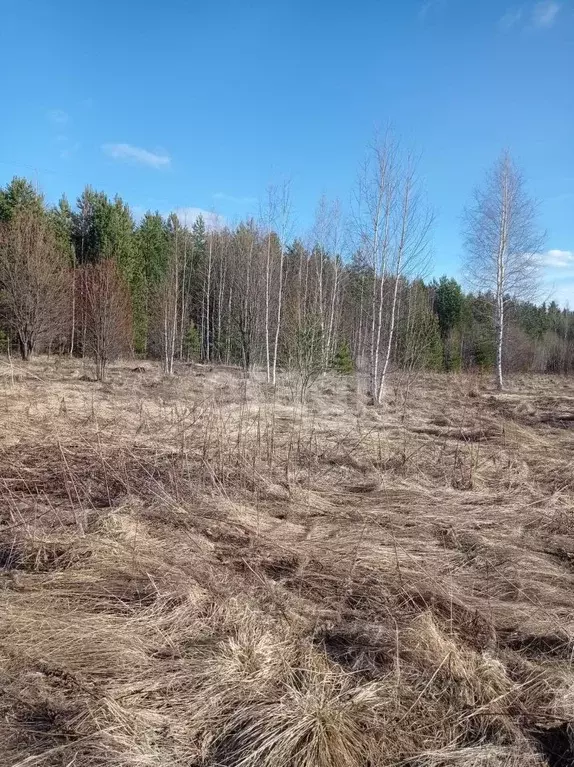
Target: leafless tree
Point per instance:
(410, 251)
(246, 287)
(168, 297)
(502, 241)
(277, 216)
(206, 318)
(106, 312)
(326, 243)
(34, 281)
(393, 224)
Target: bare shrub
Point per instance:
(34, 281)
(105, 313)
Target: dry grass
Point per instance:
(201, 571)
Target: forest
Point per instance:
(91, 280)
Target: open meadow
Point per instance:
(202, 570)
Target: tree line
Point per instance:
(90, 280)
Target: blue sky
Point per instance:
(187, 105)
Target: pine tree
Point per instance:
(62, 222)
(19, 195)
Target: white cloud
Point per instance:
(511, 18)
(558, 268)
(58, 116)
(187, 217)
(544, 13)
(563, 294)
(557, 259)
(233, 199)
(129, 153)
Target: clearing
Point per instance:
(203, 571)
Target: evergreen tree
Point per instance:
(19, 195)
(152, 247)
(192, 344)
(62, 221)
(198, 268)
(152, 244)
(84, 238)
(448, 307)
(343, 360)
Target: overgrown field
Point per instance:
(203, 571)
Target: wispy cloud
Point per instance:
(69, 151)
(428, 7)
(544, 14)
(135, 154)
(540, 15)
(557, 259)
(58, 116)
(231, 198)
(188, 215)
(511, 18)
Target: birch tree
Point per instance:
(277, 217)
(410, 248)
(502, 242)
(169, 295)
(326, 247)
(393, 225)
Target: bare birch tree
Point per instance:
(413, 223)
(375, 197)
(168, 298)
(393, 226)
(326, 246)
(246, 279)
(502, 241)
(207, 308)
(277, 218)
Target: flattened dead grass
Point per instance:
(204, 572)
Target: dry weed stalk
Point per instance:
(197, 572)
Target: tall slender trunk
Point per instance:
(378, 325)
(501, 281)
(220, 297)
(399, 266)
(73, 329)
(267, 307)
(208, 301)
(228, 327)
(246, 303)
(331, 325)
(279, 310)
(170, 309)
(183, 298)
(499, 340)
(320, 299)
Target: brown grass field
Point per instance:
(204, 572)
